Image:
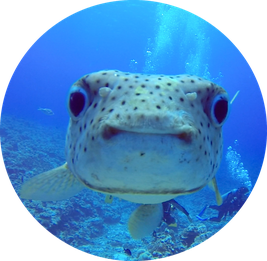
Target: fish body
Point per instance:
(46, 111)
(143, 138)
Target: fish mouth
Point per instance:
(183, 135)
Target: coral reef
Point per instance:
(194, 235)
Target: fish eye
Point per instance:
(219, 109)
(77, 102)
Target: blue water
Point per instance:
(129, 36)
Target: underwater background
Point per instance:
(160, 39)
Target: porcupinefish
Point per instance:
(143, 138)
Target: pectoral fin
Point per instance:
(55, 184)
(213, 185)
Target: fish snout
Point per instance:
(179, 124)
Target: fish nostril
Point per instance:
(109, 132)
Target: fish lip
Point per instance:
(109, 132)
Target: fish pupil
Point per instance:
(76, 103)
(220, 110)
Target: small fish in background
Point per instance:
(127, 251)
(46, 111)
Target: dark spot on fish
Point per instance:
(169, 84)
(123, 102)
(84, 149)
(158, 107)
(95, 105)
(107, 84)
(135, 108)
(192, 81)
(111, 110)
(170, 97)
(143, 86)
(142, 153)
(119, 87)
(157, 87)
(182, 81)
(181, 99)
